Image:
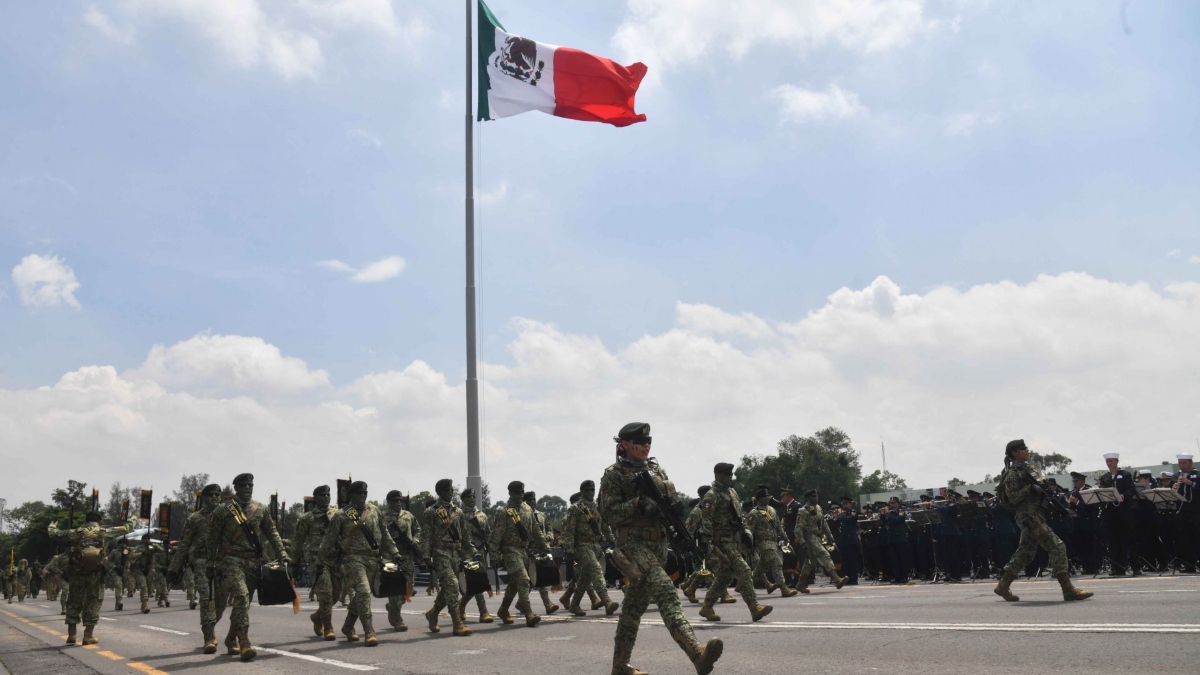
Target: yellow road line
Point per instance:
(110, 655)
(149, 670)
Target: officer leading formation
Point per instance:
(636, 524)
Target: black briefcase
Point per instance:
(389, 581)
(474, 582)
(612, 573)
(275, 585)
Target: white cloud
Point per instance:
(1194, 260)
(228, 362)
(100, 21)
(666, 33)
(380, 270)
(964, 124)
(1175, 253)
(285, 37)
(1072, 363)
(805, 105)
(493, 196)
(45, 281)
(365, 138)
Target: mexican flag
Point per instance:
(517, 74)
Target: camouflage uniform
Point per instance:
(326, 580)
(348, 534)
(448, 545)
(158, 577)
(138, 559)
(641, 542)
(540, 522)
(22, 577)
(767, 530)
(480, 530)
(237, 562)
(52, 579)
(583, 535)
(514, 533)
(192, 551)
(114, 573)
(403, 525)
(720, 511)
(189, 587)
(810, 525)
(86, 572)
(694, 525)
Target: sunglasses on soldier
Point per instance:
(641, 441)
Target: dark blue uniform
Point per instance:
(1187, 522)
(1004, 534)
(847, 541)
(1118, 523)
(1085, 547)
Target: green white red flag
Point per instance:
(517, 75)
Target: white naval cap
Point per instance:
(1165, 474)
(1112, 455)
(1184, 455)
(1144, 472)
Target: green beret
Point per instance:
(211, 490)
(703, 489)
(321, 490)
(516, 487)
(1014, 446)
(723, 467)
(467, 495)
(243, 478)
(587, 485)
(530, 498)
(358, 487)
(444, 485)
(634, 431)
(393, 496)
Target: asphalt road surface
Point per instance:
(1133, 625)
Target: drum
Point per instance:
(474, 582)
(543, 573)
(389, 581)
(612, 573)
(672, 565)
(275, 585)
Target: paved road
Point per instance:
(1133, 625)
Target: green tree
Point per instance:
(955, 482)
(19, 518)
(554, 507)
(189, 485)
(826, 461)
(1050, 463)
(881, 481)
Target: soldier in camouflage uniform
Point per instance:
(479, 530)
(447, 548)
(767, 529)
(57, 582)
(641, 551)
(141, 555)
(86, 572)
(542, 523)
(191, 551)
(360, 533)
(583, 536)
(326, 580)
(514, 534)
(810, 526)
(51, 579)
(406, 532)
(114, 573)
(721, 523)
(6, 581)
(158, 576)
(21, 579)
(238, 555)
(1018, 491)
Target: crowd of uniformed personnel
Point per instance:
(633, 532)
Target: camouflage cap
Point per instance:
(634, 431)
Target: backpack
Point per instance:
(1002, 491)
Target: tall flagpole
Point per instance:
(474, 481)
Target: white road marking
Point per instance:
(1189, 628)
(44, 606)
(163, 630)
(562, 638)
(467, 652)
(105, 618)
(317, 659)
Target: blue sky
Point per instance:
(193, 179)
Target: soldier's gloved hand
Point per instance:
(648, 507)
(285, 559)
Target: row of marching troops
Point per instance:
(974, 536)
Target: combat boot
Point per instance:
(531, 619)
(565, 599)
(431, 615)
(248, 652)
(88, 637)
(707, 611)
(210, 638)
(622, 650)
(802, 587)
(192, 604)
(573, 606)
(368, 624)
(70, 633)
(609, 605)
(231, 642)
(1069, 590)
(393, 616)
(550, 606)
(318, 628)
(702, 658)
(484, 617)
(838, 582)
(327, 627)
(462, 607)
(119, 606)
(503, 611)
(758, 612)
(145, 606)
(689, 589)
(727, 599)
(771, 588)
(160, 602)
(1002, 588)
(348, 627)
(595, 599)
(400, 626)
(787, 592)
(460, 627)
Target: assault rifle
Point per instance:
(406, 544)
(1048, 502)
(684, 544)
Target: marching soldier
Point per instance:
(542, 523)
(641, 552)
(23, 576)
(192, 551)
(721, 522)
(695, 525)
(241, 531)
(406, 532)
(448, 549)
(360, 533)
(583, 535)
(326, 579)
(767, 531)
(141, 556)
(1018, 490)
(810, 526)
(514, 533)
(480, 530)
(86, 572)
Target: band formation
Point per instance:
(635, 533)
